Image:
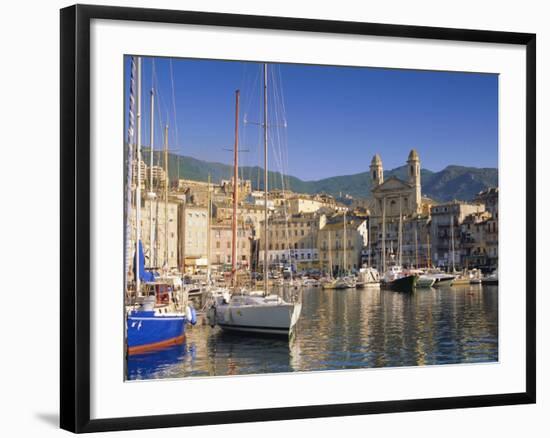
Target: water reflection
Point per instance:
(343, 330)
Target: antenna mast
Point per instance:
(235, 194)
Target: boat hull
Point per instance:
(147, 331)
(425, 282)
(444, 282)
(367, 285)
(276, 319)
(403, 284)
(490, 282)
(461, 281)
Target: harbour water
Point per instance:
(345, 329)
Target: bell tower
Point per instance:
(376, 171)
(413, 164)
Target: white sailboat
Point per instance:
(367, 275)
(254, 311)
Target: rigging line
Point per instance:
(277, 128)
(177, 146)
(281, 159)
(283, 126)
(160, 105)
(282, 150)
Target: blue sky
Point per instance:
(337, 117)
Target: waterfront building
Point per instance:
(220, 245)
(143, 175)
(303, 203)
(252, 214)
(194, 229)
(446, 224)
(473, 240)
(159, 177)
(257, 198)
(341, 242)
(245, 188)
(489, 198)
(196, 192)
(164, 249)
(293, 240)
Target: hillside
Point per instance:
(453, 182)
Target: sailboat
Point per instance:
(329, 282)
(368, 276)
(342, 281)
(253, 311)
(395, 278)
(154, 318)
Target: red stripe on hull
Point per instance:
(157, 345)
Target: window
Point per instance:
(218, 244)
(228, 245)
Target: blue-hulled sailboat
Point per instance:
(156, 322)
(155, 318)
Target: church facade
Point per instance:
(394, 198)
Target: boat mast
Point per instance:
(208, 238)
(129, 175)
(235, 194)
(266, 244)
(138, 174)
(368, 242)
(383, 234)
(345, 245)
(151, 193)
(416, 244)
(330, 255)
(453, 242)
(400, 234)
(166, 182)
(429, 261)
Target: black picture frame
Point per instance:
(75, 217)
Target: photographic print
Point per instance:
(288, 217)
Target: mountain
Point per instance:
(453, 182)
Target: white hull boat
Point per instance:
(368, 277)
(425, 281)
(256, 313)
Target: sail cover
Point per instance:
(143, 274)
